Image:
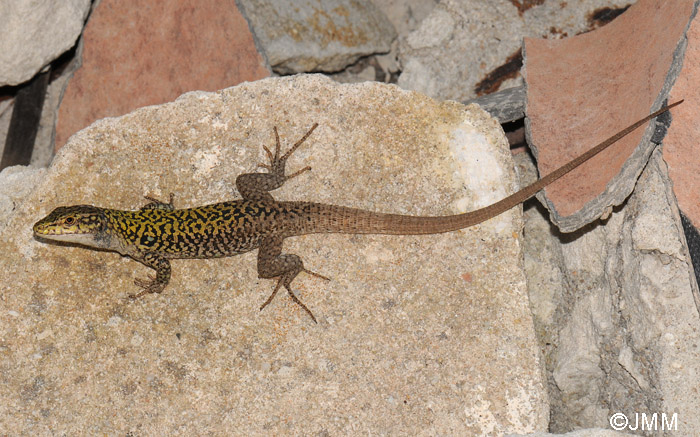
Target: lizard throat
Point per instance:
(101, 241)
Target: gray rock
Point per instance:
(43, 151)
(429, 333)
(505, 105)
(615, 312)
(36, 32)
(467, 48)
(406, 15)
(305, 35)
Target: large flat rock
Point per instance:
(416, 334)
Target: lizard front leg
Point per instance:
(256, 186)
(273, 264)
(153, 284)
(157, 204)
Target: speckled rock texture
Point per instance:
(16, 183)
(416, 335)
(583, 89)
(138, 54)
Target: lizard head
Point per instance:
(82, 224)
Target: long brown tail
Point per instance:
(340, 219)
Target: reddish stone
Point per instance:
(583, 89)
(144, 53)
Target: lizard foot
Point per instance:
(149, 286)
(277, 162)
(286, 281)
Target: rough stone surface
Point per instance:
(583, 89)
(682, 144)
(614, 311)
(428, 334)
(34, 33)
(138, 54)
(406, 15)
(465, 49)
(505, 105)
(591, 432)
(16, 183)
(307, 35)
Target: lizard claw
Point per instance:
(297, 173)
(149, 286)
(297, 144)
(277, 162)
(270, 156)
(285, 280)
(318, 275)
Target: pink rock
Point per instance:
(585, 88)
(144, 53)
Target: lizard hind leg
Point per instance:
(285, 267)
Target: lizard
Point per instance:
(158, 232)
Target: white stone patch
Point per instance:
(217, 124)
(480, 415)
(521, 410)
(478, 165)
(207, 160)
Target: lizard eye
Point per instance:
(69, 220)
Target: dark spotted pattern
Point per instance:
(212, 231)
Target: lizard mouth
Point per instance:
(83, 239)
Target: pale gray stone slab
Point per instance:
(34, 33)
(306, 35)
(427, 334)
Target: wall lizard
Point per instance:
(158, 232)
